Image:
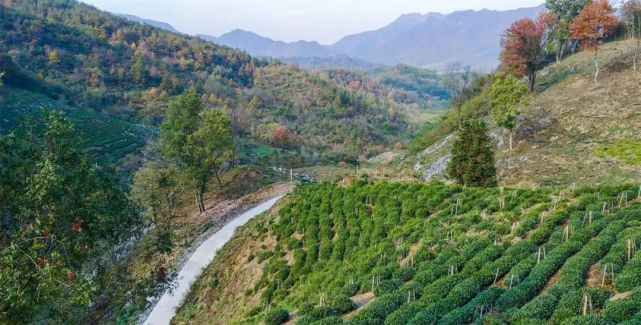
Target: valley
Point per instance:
(427, 172)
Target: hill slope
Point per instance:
(83, 57)
(424, 254)
(573, 131)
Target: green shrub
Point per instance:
(276, 317)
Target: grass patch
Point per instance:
(625, 150)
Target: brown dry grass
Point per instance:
(564, 125)
(225, 291)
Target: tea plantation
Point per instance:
(441, 254)
(107, 138)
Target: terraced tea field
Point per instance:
(432, 254)
(105, 137)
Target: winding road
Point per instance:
(165, 308)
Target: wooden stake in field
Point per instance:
(632, 248)
(586, 305)
(512, 280)
(376, 280)
(541, 255)
(566, 233)
(605, 274)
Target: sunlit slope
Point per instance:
(430, 254)
(572, 131)
(579, 131)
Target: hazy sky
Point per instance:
(325, 21)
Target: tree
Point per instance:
(457, 79)
(523, 47)
(53, 58)
(1, 76)
(58, 214)
(199, 141)
(155, 188)
(595, 23)
(213, 142)
(472, 162)
(282, 136)
(632, 19)
(506, 95)
(566, 11)
(138, 70)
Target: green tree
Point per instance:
(155, 188)
(139, 70)
(506, 95)
(59, 213)
(472, 162)
(566, 11)
(199, 141)
(632, 19)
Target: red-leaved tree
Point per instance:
(523, 47)
(282, 136)
(595, 23)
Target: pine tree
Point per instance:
(472, 161)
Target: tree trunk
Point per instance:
(636, 54)
(596, 63)
(511, 137)
(218, 178)
(559, 55)
(460, 127)
(199, 201)
(532, 78)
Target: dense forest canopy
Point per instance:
(89, 58)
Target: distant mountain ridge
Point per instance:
(431, 40)
(158, 24)
(258, 45)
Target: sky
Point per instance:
(325, 21)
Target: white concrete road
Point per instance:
(165, 308)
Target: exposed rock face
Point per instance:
(437, 146)
(437, 168)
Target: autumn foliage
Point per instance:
(523, 47)
(282, 136)
(595, 23)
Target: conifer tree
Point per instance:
(472, 161)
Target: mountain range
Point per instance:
(429, 40)
(158, 24)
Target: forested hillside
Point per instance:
(561, 247)
(390, 253)
(90, 59)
